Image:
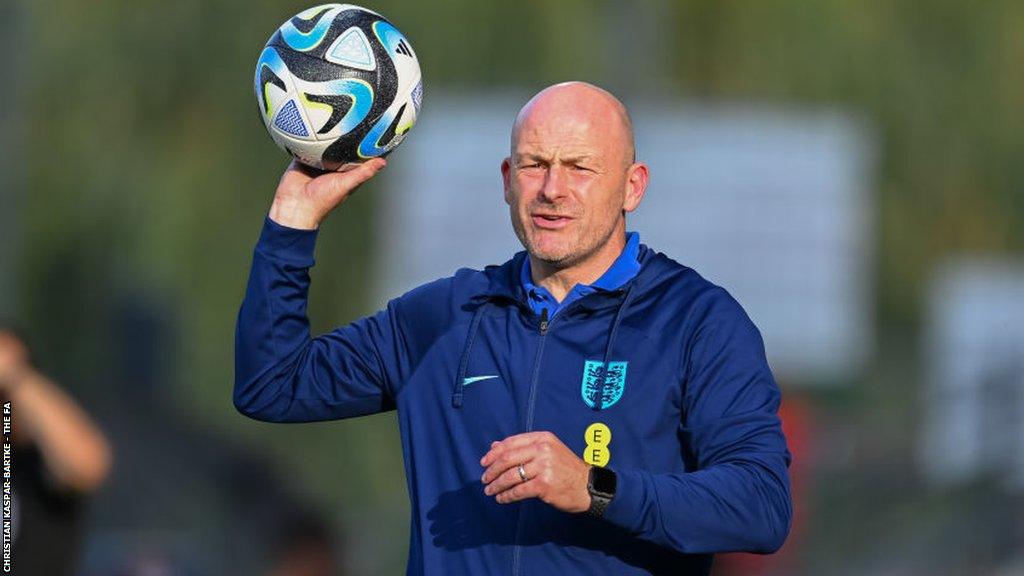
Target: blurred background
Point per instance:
(849, 170)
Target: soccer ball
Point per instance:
(338, 84)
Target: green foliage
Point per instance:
(938, 79)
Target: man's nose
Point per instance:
(555, 184)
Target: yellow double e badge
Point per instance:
(598, 436)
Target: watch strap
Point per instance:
(599, 500)
(598, 504)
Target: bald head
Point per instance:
(579, 103)
(570, 181)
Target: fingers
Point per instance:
(356, 175)
(310, 172)
(521, 491)
(507, 480)
(516, 442)
(504, 459)
(305, 196)
(508, 459)
(339, 185)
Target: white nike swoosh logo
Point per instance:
(470, 380)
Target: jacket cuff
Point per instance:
(626, 508)
(289, 244)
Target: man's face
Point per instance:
(565, 184)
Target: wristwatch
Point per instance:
(601, 485)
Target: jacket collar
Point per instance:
(503, 282)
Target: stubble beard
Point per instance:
(580, 248)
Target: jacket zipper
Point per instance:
(544, 325)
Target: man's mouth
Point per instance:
(550, 221)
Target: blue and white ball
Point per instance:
(338, 84)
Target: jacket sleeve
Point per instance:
(281, 374)
(737, 498)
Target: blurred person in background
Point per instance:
(305, 546)
(59, 458)
(676, 420)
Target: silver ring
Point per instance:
(522, 473)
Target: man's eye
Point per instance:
(579, 168)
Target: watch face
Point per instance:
(603, 480)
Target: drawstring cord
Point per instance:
(464, 364)
(599, 400)
(457, 387)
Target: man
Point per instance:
(59, 458)
(588, 407)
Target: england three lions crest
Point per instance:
(614, 382)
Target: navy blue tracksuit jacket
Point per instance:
(669, 363)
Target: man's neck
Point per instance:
(559, 281)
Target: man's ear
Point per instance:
(636, 185)
(506, 175)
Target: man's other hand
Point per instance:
(305, 196)
(553, 472)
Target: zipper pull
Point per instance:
(543, 320)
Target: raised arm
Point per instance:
(281, 374)
(76, 454)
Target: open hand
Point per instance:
(305, 196)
